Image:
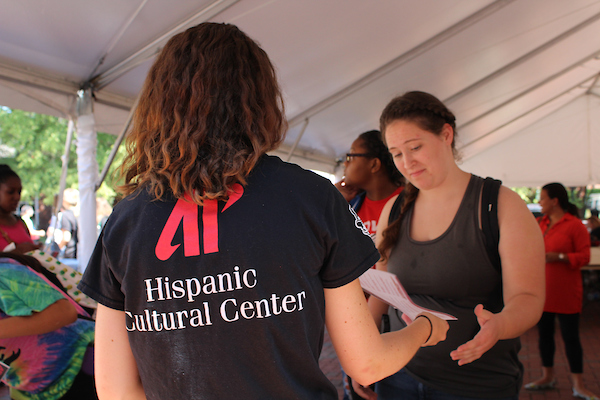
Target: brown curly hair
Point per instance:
(209, 109)
(429, 114)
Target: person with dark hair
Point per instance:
(14, 235)
(217, 273)
(593, 226)
(26, 214)
(68, 224)
(567, 250)
(370, 178)
(437, 249)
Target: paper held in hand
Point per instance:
(386, 287)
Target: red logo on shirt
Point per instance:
(187, 211)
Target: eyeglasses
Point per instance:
(350, 155)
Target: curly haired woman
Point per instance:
(217, 273)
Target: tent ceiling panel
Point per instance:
(579, 78)
(519, 123)
(503, 66)
(549, 63)
(60, 37)
(320, 47)
(567, 158)
(33, 99)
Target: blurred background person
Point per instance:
(567, 245)
(370, 180)
(103, 210)
(593, 226)
(68, 224)
(26, 215)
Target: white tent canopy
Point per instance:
(520, 75)
(557, 148)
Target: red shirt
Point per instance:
(16, 233)
(370, 210)
(564, 289)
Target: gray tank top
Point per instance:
(453, 274)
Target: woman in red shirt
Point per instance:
(567, 250)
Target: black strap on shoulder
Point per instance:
(396, 208)
(357, 201)
(489, 219)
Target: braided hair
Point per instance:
(373, 143)
(428, 113)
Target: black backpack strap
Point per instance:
(489, 220)
(357, 201)
(396, 208)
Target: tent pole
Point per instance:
(100, 81)
(65, 166)
(118, 36)
(291, 152)
(400, 60)
(522, 59)
(523, 115)
(87, 168)
(589, 91)
(61, 185)
(531, 89)
(117, 144)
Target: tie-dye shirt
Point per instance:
(41, 366)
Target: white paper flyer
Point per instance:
(387, 288)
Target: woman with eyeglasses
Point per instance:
(370, 178)
(370, 181)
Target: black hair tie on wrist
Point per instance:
(430, 325)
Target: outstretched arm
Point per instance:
(365, 354)
(51, 318)
(116, 372)
(521, 250)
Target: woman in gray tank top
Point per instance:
(437, 249)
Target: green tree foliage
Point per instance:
(529, 195)
(33, 144)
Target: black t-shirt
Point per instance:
(226, 301)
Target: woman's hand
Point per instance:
(485, 339)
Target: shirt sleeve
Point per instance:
(22, 292)
(350, 249)
(581, 246)
(98, 280)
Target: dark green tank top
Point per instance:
(453, 274)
